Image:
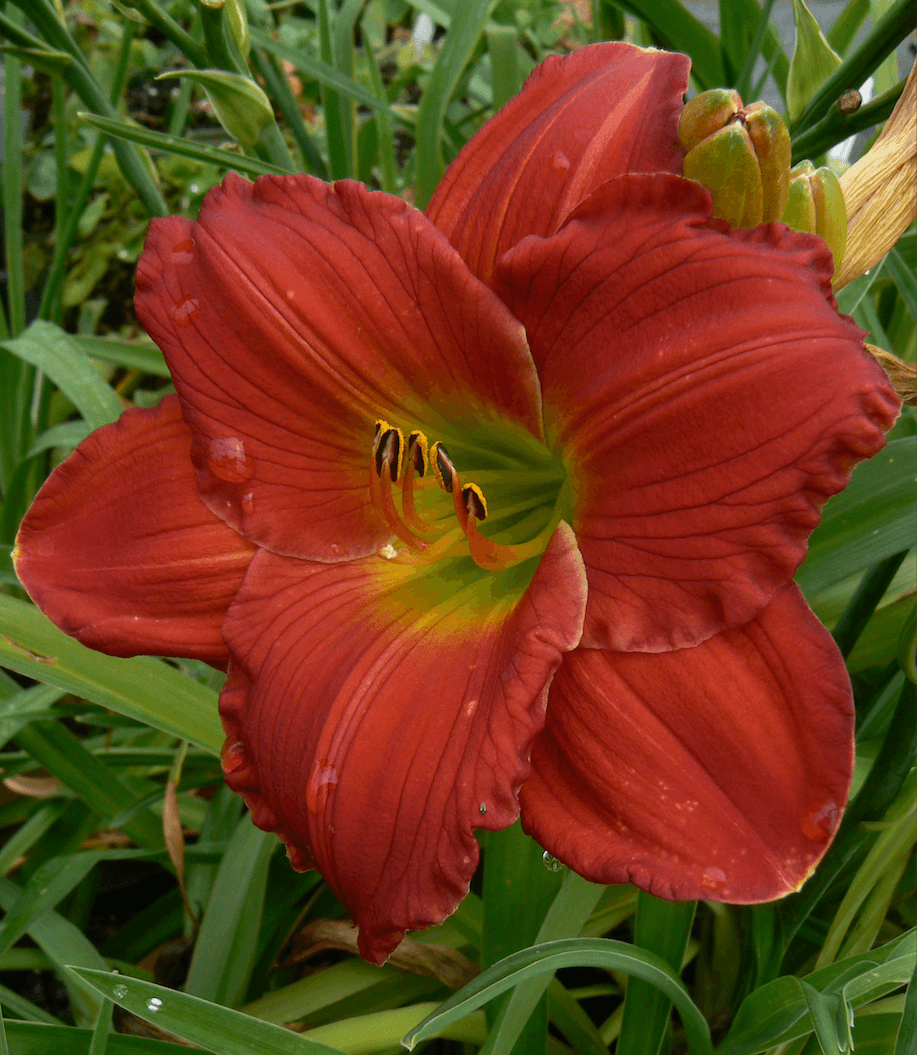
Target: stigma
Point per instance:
(398, 463)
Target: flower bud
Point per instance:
(240, 105)
(707, 113)
(741, 154)
(816, 204)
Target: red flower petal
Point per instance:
(293, 315)
(707, 395)
(375, 721)
(716, 772)
(119, 551)
(579, 120)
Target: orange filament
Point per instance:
(416, 460)
(393, 459)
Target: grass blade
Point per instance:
(217, 1029)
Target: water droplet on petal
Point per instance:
(551, 862)
(183, 251)
(153, 1004)
(119, 992)
(248, 502)
(560, 160)
(322, 781)
(226, 459)
(483, 808)
(185, 310)
(713, 879)
(233, 756)
(818, 824)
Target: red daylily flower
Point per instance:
(649, 408)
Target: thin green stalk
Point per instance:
(464, 31)
(607, 20)
(835, 127)
(864, 602)
(743, 81)
(169, 28)
(383, 118)
(12, 32)
(70, 215)
(338, 113)
(180, 108)
(884, 37)
(218, 53)
(272, 148)
(81, 80)
(841, 35)
(278, 89)
(62, 197)
(12, 194)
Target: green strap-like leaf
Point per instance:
(143, 688)
(187, 148)
(217, 1029)
(52, 351)
(573, 952)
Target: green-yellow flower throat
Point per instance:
(407, 461)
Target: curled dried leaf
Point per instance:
(903, 375)
(433, 961)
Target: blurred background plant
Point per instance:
(121, 848)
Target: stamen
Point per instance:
(443, 469)
(388, 451)
(388, 447)
(393, 458)
(475, 502)
(416, 461)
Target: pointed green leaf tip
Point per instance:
(240, 105)
(813, 61)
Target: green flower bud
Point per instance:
(707, 113)
(816, 204)
(773, 150)
(726, 165)
(741, 154)
(240, 105)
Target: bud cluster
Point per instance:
(742, 154)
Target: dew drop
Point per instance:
(559, 160)
(185, 310)
(183, 251)
(153, 1004)
(119, 992)
(551, 862)
(713, 879)
(819, 823)
(483, 808)
(322, 781)
(248, 502)
(233, 756)
(227, 460)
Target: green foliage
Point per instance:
(221, 951)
